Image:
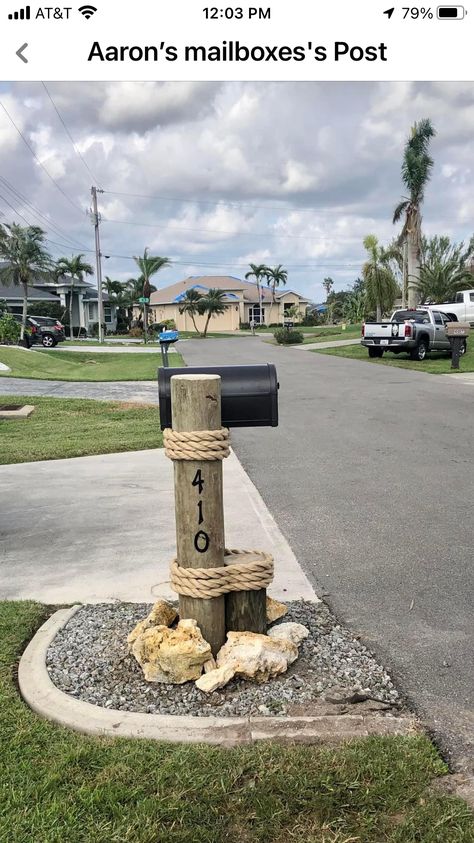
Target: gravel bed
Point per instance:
(89, 660)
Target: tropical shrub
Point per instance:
(285, 336)
(9, 329)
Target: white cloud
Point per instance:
(234, 149)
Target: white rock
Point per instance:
(256, 656)
(173, 656)
(215, 679)
(4, 367)
(294, 632)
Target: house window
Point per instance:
(93, 312)
(287, 307)
(256, 314)
(107, 313)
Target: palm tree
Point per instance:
(74, 267)
(213, 305)
(328, 284)
(258, 271)
(275, 276)
(119, 296)
(192, 303)
(27, 260)
(416, 171)
(149, 265)
(381, 288)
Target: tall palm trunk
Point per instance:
(207, 324)
(71, 331)
(378, 317)
(25, 311)
(193, 320)
(413, 258)
(259, 300)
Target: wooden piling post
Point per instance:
(246, 611)
(196, 405)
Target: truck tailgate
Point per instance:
(378, 329)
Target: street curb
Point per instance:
(49, 702)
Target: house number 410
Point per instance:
(201, 539)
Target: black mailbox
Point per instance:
(249, 394)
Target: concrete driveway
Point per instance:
(102, 528)
(370, 477)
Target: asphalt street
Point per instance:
(370, 477)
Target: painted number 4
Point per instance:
(198, 481)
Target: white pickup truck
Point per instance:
(460, 309)
(415, 332)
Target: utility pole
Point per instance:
(98, 257)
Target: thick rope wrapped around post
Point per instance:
(238, 574)
(197, 444)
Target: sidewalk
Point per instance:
(102, 528)
(311, 346)
(118, 349)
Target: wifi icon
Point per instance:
(87, 11)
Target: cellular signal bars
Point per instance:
(23, 14)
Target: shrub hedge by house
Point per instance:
(285, 336)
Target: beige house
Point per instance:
(241, 303)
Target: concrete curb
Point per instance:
(49, 702)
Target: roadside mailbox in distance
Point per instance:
(457, 333)
(166, 339)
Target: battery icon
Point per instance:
(451, 12)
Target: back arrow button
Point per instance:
(20, 55)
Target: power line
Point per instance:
(68, 133)
(225, 204)
(19, 214)
(192, 262)
(28, 145)
(227, 233)
(32, 209)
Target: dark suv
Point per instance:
(43, 330)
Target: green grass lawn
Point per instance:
(82, 366)
(325, 333)
(71, 427)
(57, 786)
(437, 362)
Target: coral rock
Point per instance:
(172, 656)
(275, 610)
(215, 679)
(256, 656)
(294, 632)
(162, 614)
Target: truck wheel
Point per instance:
(420, 351)
(463, 347)
(375, 352)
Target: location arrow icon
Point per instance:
(20, 55)
(389, 12)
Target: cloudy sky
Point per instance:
(215, 175)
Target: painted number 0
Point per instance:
(201, 541)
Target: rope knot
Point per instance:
(206, 445)
(243, 570)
